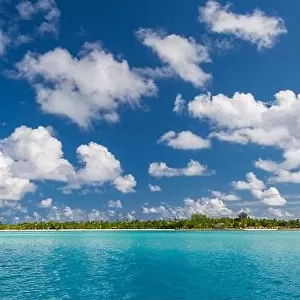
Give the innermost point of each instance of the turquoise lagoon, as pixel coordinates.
(150, 265)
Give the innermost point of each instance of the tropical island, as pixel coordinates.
(197, 222)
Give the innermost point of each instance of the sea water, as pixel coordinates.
(150, 265)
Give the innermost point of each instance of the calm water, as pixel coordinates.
(150, 265)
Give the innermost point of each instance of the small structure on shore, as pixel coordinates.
(219, 226)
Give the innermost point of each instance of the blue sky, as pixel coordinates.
(90, 125)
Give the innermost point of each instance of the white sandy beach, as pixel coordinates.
(79, 230)
(261, 229)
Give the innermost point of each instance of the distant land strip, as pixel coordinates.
(197, 222)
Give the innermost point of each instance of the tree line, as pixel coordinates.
(197, 221)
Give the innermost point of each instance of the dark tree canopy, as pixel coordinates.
(243, 215)
(197, 221)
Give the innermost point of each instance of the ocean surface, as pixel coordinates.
(150, 265)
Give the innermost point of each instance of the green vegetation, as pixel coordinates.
(195, 222)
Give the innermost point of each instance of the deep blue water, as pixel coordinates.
(150, 265)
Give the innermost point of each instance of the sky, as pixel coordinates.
(149, 110)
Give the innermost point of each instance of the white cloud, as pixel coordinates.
(255, 27)
(154, 188)
(46, 203)
(21, 39)
(270, 197)
(182, 54)
(225, 197)
(222, 45)
(240, 111)
(15, 213)
(279, 213)
(210, 207)
(47, 8)
(243, 119)
(85, 88)
(115, 204)
(100, 166)
(13, 206)
(271, 137)
(156, 210)
(22, 23)
(193, 168)
(36, 154)
(291, 161)
(284, 176)
(179, 104)
(26, 9)
(155, 73)
(66, 213)
(185, 140)
(125, 184)
(4, 42)
(130, 216)
(12, 187)
(30, 154)
(253, 184)
(284, 171)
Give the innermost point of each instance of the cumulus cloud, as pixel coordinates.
(283, 171)
(15, 213)
(185, 140)
(225, 197)
(130, 216)
(12, 187)
(46, 203)
(253, 184)
(179, 105)
(181, 54)
(154, 188)
(193, 168)
(270, 197)
(91, 86)
(30, 154)
(100, 166)
(279, 213)
(13, 206)
(125, 184)
(210, 207)
(35, 154)
(47, 8)
(115, 204)
(256, 27)
(66, 213)
(240, 111)
(243, 119)
(161, 209)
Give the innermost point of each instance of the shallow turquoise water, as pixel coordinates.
(150, 265)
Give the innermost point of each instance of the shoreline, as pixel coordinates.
(145, 230)
(79, 230)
